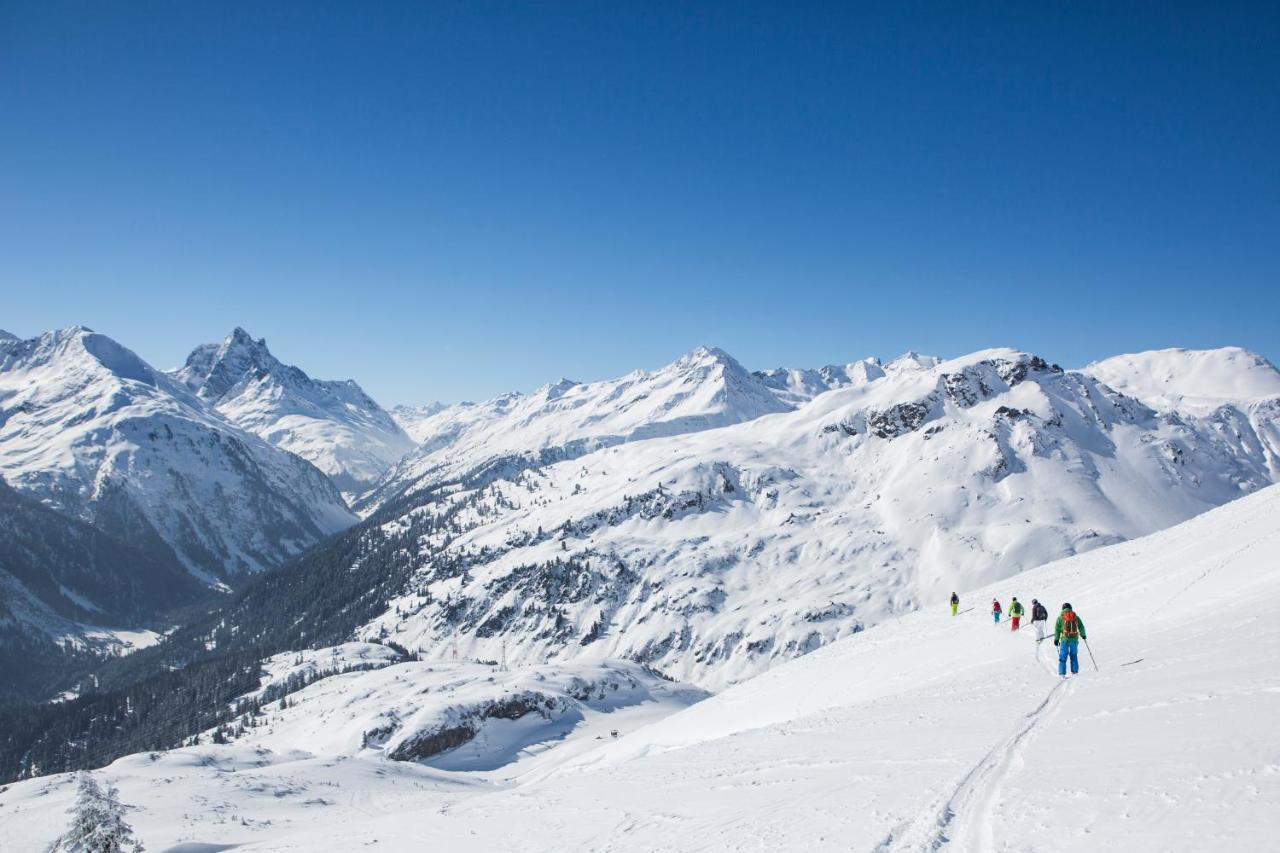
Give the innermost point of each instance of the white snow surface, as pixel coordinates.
(703, 389)
(718, 554)
(94, 431)
(334, 425)
(1191, 380)
(395, 710)
(929, 732)
(415, 420)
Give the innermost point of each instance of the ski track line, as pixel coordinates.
(964, 820)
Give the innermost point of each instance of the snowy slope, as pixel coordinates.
(1230, 391)
(455, 715)
(415, 420)
(715, 555)
(333, 425)
(1191, 380)
(926, 733)
(703, 389)
(93, 431)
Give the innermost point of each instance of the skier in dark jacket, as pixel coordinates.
(995, 609)
(1039, 618)
(1067, 634)
(955, 603)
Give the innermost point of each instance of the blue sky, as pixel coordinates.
(449, 200)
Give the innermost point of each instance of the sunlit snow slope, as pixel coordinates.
(929, 732)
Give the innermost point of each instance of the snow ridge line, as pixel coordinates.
(965, 817)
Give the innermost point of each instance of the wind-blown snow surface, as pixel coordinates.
(715, 555)
(704, 389)
(930, 732)
(91, 429)
(333, 425)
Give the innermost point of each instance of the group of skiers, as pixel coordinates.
(1068, 631)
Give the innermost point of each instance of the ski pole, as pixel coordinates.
(1090, 651)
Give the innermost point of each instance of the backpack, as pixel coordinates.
(1070, 625)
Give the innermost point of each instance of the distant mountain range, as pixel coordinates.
(701, 518)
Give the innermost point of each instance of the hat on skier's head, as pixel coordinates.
(1066, 606)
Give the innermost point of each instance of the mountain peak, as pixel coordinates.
(912, 360)
(706, 356)
(240, 337)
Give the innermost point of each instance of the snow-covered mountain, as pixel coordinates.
(414, 420)
(717, 554)
(701, 390)
(930, 732)
(1230, 391)
(799, 385)
(334, 425)
(96, 433)
(1197, 381)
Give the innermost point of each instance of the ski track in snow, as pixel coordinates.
(964, 820)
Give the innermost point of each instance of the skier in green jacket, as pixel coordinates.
(1068, 631)
(1015, 613)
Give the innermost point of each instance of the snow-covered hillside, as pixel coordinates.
(333, 425)
(1231, 391)
(703, 389)
(96, 433)
(449, 714)
(1191, 380)
(929, 732)
(415, 420)
(715, 555)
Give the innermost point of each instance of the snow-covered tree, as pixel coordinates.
(97, 821)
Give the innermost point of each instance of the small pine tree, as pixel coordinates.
(97, 822)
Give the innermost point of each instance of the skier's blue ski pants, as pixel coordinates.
(1068, 648)
(995, 614)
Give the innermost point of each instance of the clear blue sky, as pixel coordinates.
(448, 200)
